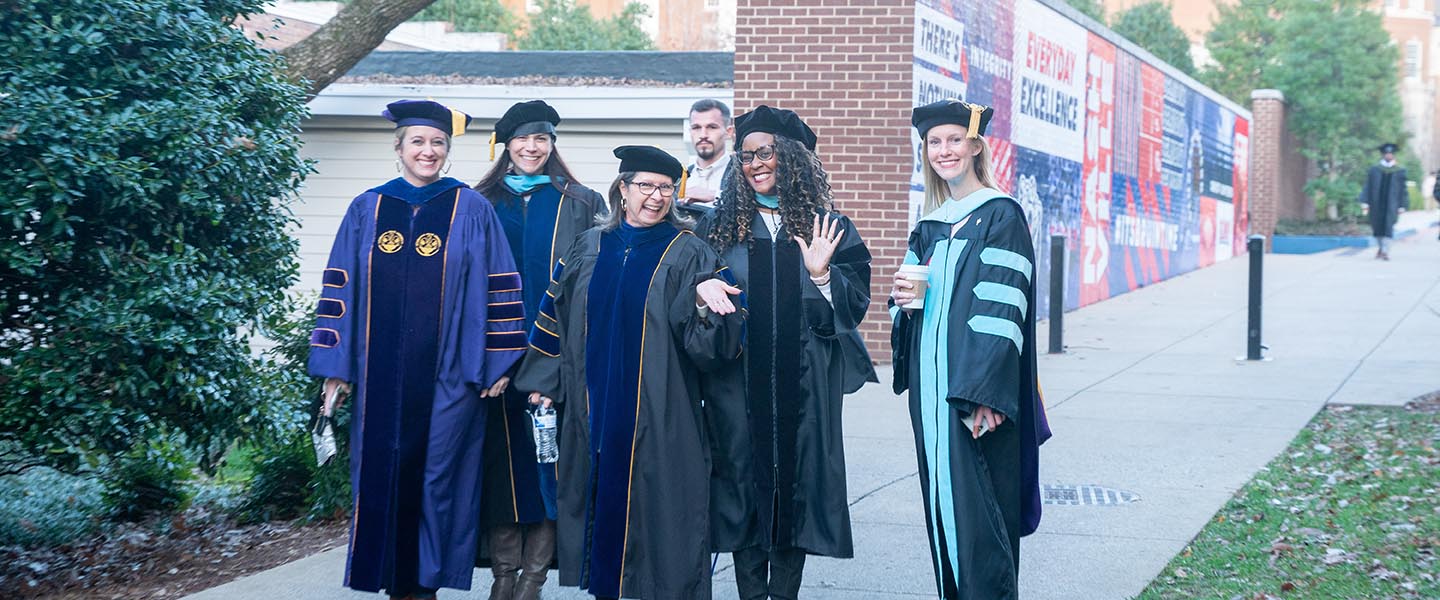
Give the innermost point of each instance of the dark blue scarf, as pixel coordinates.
(399, 188)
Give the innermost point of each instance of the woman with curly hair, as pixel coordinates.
(542, 209)
(964, 346)
(806, 274)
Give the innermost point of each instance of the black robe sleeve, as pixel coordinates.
(986, 345)
(709, 340)
(840, 317)
(540, 370)
(902, 322)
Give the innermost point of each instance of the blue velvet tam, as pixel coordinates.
(405, 113)
(525, 118)
(1388, 148)
(774, 121)
(975, 118)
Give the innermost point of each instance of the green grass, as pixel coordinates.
(1350, 510)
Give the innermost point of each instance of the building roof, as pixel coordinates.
(486, 102)
(548, 68)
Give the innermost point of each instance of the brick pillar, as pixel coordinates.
(1268, 134)
(844, 66)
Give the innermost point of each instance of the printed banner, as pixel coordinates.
(1242, 184)
(1050, 185)
(1099, 154)
(1048, 110)
(1146, 177)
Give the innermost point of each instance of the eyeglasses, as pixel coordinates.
(762, 153)
(666, 190)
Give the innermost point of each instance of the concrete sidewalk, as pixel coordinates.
(1149, 402)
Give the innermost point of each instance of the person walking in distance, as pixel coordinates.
(1384, 195)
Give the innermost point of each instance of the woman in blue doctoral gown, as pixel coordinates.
(968, 359)
(417, 313)
(542, 208)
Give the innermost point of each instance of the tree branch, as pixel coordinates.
(359, 28)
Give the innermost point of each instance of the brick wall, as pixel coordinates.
(1277, 170)
(844, 66)
(1267, 108)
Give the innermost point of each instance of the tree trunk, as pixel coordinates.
(360, 27)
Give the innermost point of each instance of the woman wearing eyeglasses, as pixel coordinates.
(806, 274)
(637, 310)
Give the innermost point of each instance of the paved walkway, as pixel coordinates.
(1149, 400)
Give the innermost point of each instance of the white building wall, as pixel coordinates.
(353, 146)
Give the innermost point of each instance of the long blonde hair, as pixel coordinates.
(937, 190)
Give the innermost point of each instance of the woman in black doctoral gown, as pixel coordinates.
(637, 310)
(806, 274)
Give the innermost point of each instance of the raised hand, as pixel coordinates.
(825, 238)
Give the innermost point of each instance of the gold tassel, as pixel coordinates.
(492, 146)
(680, 193)
(975, 111)
(457, 123)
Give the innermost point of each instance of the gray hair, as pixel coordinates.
(611, 218)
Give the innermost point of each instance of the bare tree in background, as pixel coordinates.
(359, 27)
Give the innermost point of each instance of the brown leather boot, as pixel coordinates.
(506, 542)
(539, 551)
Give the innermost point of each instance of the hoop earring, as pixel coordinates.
(447, 168)
(397, 165)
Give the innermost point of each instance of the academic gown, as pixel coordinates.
(974, 344)
(802, 354)
(1385, 192)
(619, 346)
(539, 231)
(417, 311)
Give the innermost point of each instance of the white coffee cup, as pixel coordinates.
(919, 276)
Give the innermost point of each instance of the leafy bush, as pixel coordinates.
(1332, 59)
(471, 15)
(1344, 226)
(44, 507)
(278, 487)
(1152, 26)
(148, 480)
(148, 152)
(564, 25)
(285, 482)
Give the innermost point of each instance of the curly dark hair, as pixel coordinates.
(801, 183)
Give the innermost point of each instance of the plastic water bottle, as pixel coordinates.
(547, 450)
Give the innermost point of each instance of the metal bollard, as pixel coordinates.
(1256, 247)
(1057, 294)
